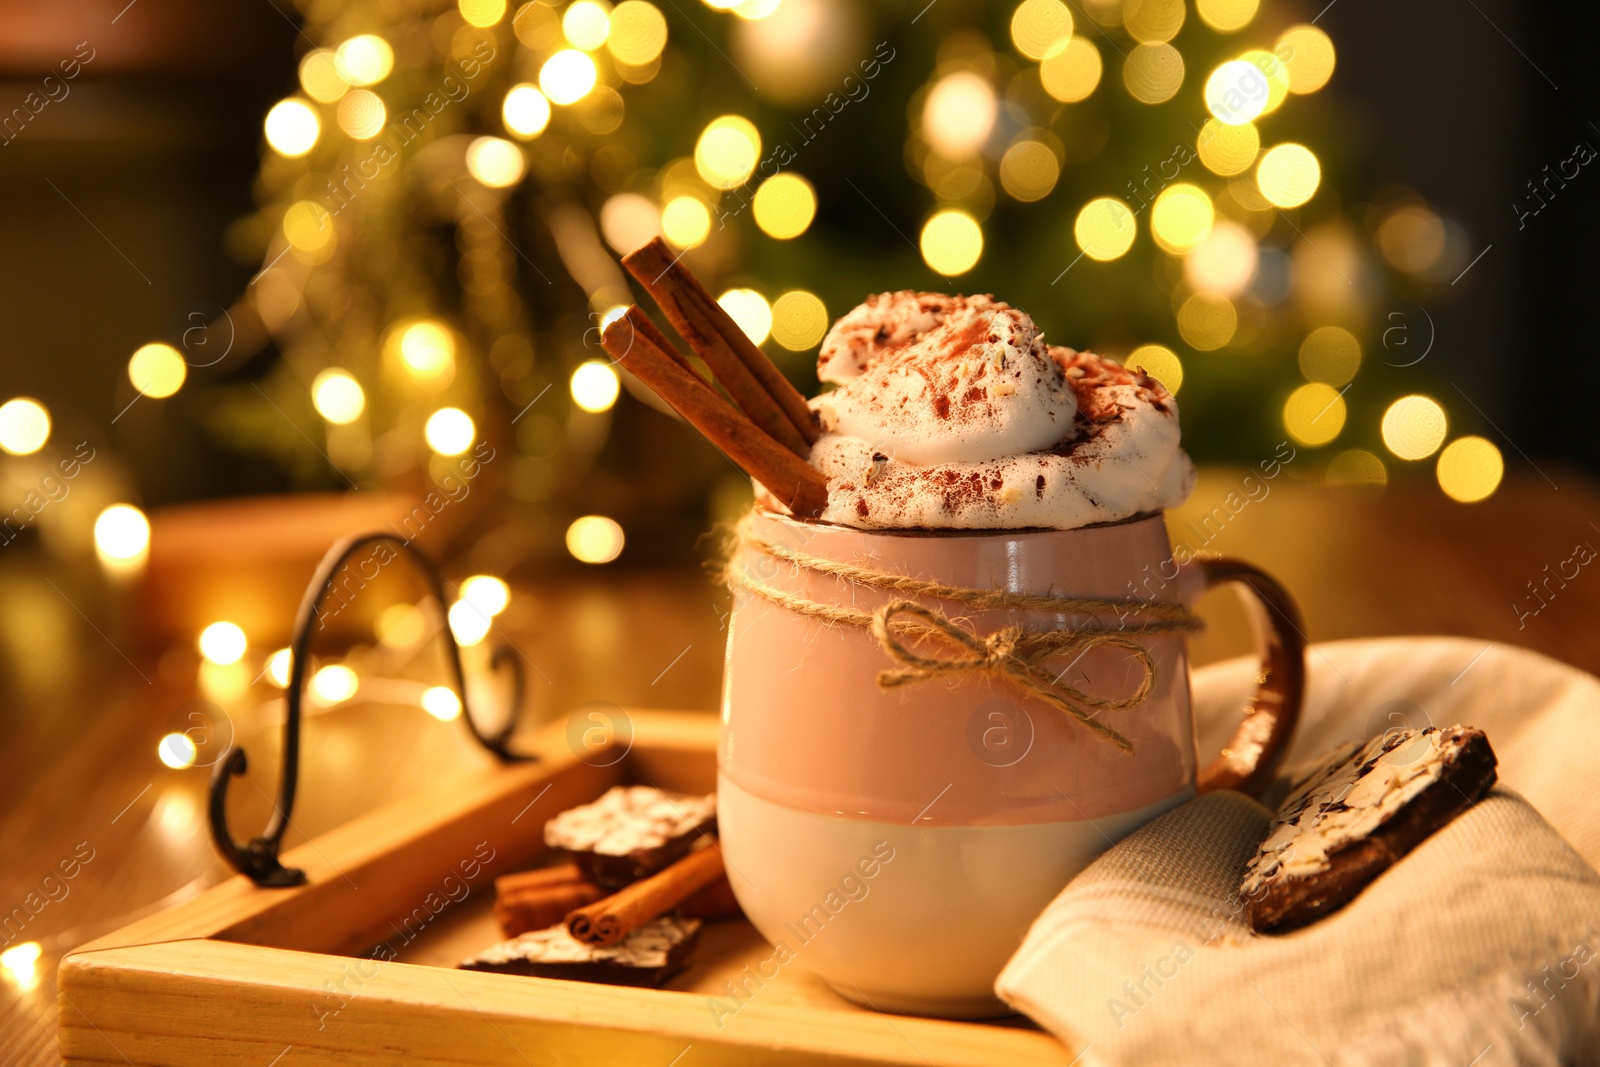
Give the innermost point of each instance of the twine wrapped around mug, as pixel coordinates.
(1013, 653)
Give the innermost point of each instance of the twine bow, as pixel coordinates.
(1014, 654)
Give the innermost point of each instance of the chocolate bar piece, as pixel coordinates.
(647, 957)
(631, 832)
(1356, 815)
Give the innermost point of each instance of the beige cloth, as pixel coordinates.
(1480, 948)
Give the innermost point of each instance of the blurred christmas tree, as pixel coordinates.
(1147, 179)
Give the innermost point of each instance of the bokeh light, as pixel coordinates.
(1225, 16)
(292, 128)
(1181, 217)
(487, 593)
(468, 624)
(567, 76)
(595, 386)
(1331, 355)
(1314, 413)
(1276, 74)
(959, 114)
(337, 396)
(1029, 170)
(1207, 321)
(1228, 149)
(279, 667)
(122, 536)
(1072, 73)
(223, 642)
(1470, 469)
(308, 227)
(176, 751)
(785, 205)
(1225, 262)
(1104, 229)
(1041, 28)
(586, 24)
(1411, 238)
(952, 242)
(21, 964)
(1414, 426)
(526, 111)
(1309, 56)
(1288, 175)
(799, 320)
(1237, 92)
(1356, 468)
(427, 349)
(495, 162)
(361, 114)
(482, 13)
(441, 702)
(401, 625)
(750, 312)
(366, 59)
(727, 151)
(685, 221)
(1153, 21)
(1161, 363)
(334, 683)
(629, 220)
(1153, 73)
(638, 33)
(595, 539)
(157, 370)
(320, 77)
(24, 426)
(449, 431)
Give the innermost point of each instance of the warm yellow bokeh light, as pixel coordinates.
(1153, 73)
(952, 242)
(685, 221)
(586, 24)
(362, 114)
(526, 111)
(401, 625)
(482, 12)
(1072, 73)
(1288, 175)
(1041, 28)
(487, 593)
(959, 114)
(122, 536)
(1309, 55)
(1153, 21)
(1356, 468)
(595, 386)
(1225, 262)
(1161, 363)
(1029, 170)
(1411, 238)
(1181, 217)
(1414, 426)
(292, 128)
(495, 161)
(755, 10)
(1228, 149)
(469, 625)
(308, 226)
(1331, 355)
(20, 963)
(595, 539)
(337, 396)
(157, 370)
(567, 76)
(1314, 413)
(442, 703)
(1470, 468)
(24, 426)
(1225, 16)
(785, 205)
(366, 59)
(1237, 92)
(334, 683)
(320, 76)
(176, 751)
(799, 319)
(1277, 74)
(449, 431)
(727, 151)
(427, 349)
(750, 312)
(629, 220)
(1105, 228)
(638, 33)
(1207, 321)
(223, 642)
(279, 665)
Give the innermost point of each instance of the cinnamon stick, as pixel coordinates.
(540, 878)
(737, 362)
(608, 921)
(791, 479)
(542, 907)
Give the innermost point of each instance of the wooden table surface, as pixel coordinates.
(79, 771)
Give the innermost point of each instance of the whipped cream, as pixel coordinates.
(951, 412)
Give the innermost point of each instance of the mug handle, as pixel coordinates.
(1248, 762)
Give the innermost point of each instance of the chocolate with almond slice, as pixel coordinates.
(631, 832)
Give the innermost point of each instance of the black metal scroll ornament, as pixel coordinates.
(259, 858)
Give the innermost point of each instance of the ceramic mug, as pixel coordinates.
(898, 842)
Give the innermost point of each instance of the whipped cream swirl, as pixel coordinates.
(951, 412)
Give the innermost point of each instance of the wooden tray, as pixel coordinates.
(276, 977)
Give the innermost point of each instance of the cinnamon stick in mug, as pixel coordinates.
(738, 364)
(608, 921)
(788, 477)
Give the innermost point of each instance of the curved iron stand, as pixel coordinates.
(259, 859)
